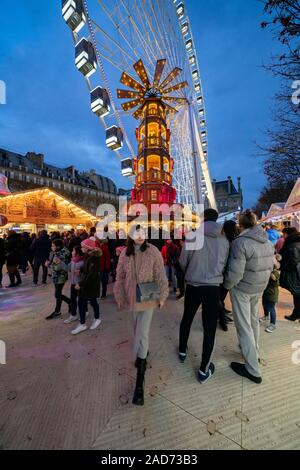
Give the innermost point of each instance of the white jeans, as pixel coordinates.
(246, 319)
(141, 325)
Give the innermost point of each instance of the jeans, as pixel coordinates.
(74, 300)
(60, 297)
(208, 296)
(104, 282)
(269, 308)
(36, 267)
(170, 273)
(83, 304)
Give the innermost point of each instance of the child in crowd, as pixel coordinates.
(89, 285)
(75, 266)
(59, 260)
(270, 296)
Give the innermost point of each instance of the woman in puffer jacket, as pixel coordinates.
(249, 268)
(290, 269)
(140, 263)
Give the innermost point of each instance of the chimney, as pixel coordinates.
(239, 184)
(229, 185)
(37, 159)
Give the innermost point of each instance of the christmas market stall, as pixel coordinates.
(286, 214)
(42, 208)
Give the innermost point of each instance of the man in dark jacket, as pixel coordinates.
(290, 269)
(13, 258)
(41, 248)
(203, 268)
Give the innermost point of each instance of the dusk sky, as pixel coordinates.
(48, 108)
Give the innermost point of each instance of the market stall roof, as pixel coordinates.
(279, 210)
(43, 205)
(294, 197)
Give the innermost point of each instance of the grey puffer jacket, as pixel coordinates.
(205, 266)
(250, 262)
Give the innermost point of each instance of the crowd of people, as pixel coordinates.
(245, 259)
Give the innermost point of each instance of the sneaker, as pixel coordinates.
(205, 376)
(271, 328)
(179, 296)
(263, 319)
(241, 370)
(228, 319)
(182, 357)
(79, 329)
(34, 284)
(71, 318)
(11, 285)
(53, 315)
(95, 324)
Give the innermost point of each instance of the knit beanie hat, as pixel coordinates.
(89, 243)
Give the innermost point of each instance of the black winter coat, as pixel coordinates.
(2, 251)
(13, 250)
(90, 280)
(290, 264)
(41, 248)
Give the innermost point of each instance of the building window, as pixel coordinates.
(153, 195)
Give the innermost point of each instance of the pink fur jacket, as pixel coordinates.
(149, 268)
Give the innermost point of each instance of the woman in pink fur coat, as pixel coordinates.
(140, 262)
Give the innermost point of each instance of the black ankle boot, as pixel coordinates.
(138, 397)
(137, 360)
(292, 317)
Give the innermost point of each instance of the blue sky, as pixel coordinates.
(47, 108)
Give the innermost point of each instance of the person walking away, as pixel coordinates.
(89, 285)
(140, 268)
(58, 263)
(203, 270)
(75, 266)
(2, 259)
(25, 250)
(104, 266)
(273, 234)
(13, 258)
(167, 252)
(231, 231)
(249, 268)
(270, 296)
(178, 271)
(290, 269)
(40, 248)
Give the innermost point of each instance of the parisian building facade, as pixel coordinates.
(229, 198)
(87, 189)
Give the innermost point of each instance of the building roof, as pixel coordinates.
(99, 182)
(222, 187)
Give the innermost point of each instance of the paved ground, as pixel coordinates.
(64, 392)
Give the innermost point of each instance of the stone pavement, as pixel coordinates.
(64, 392)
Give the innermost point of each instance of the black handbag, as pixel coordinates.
(146, 291)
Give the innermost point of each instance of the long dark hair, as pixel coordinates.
(230, 230)
(130, 244)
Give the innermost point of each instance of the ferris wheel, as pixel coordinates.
(110, 37)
